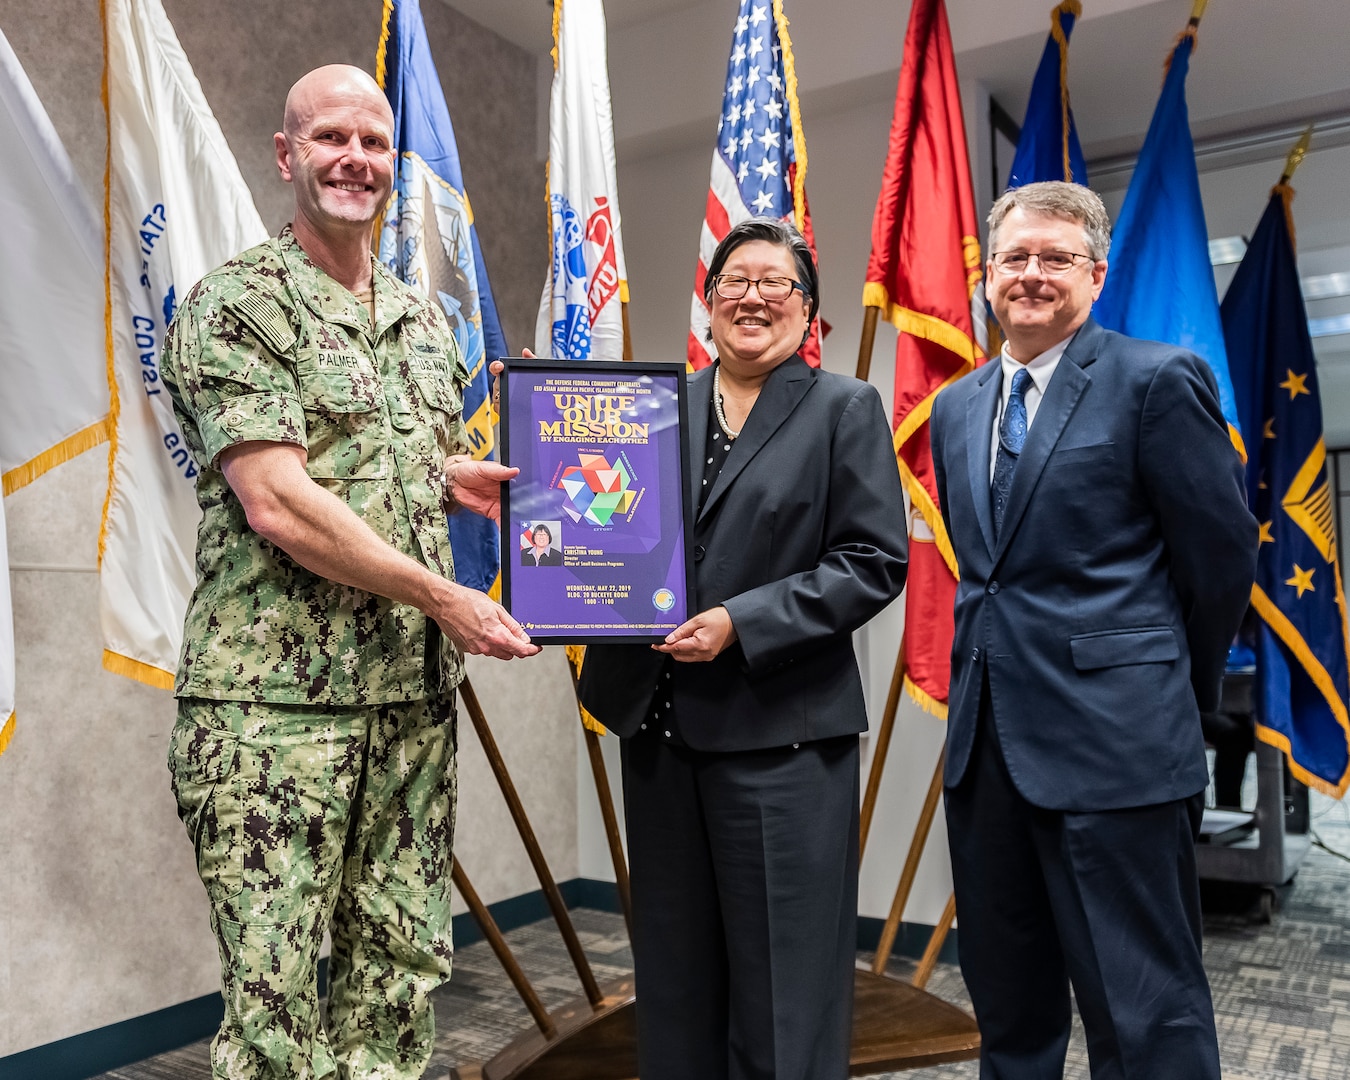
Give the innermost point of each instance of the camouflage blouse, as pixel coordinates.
(269, 347)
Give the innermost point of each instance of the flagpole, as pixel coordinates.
(492, 932)
(935, 943)
(882, 748)
(884, 731)
(594, 751)
(911, 869)
(869, 336)
(549, 886)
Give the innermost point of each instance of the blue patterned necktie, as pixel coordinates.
(1012, 436)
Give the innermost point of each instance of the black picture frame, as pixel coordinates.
(603, 452)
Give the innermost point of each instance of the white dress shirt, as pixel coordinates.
(1040, 369)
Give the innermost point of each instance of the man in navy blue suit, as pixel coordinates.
(1095, 503)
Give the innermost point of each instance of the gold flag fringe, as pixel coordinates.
(73, 446)
(134, 669)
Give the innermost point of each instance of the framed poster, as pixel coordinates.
(595, 529)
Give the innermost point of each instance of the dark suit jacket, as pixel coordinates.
(1102, 615)
(802, 539)
(551, 557)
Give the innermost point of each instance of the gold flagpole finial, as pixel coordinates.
(1296, 155)
(1198, 11)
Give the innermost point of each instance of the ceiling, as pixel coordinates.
(1260, 72)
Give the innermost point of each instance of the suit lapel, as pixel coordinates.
(699, 405)
(981, 408)
(1057, 406)
(781, 393)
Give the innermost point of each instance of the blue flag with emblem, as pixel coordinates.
(1303, 667)
(1048, 148)
(1160, 285)
(429, 241)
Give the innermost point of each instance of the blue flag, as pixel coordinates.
(1160, 285)
(1048, 148)
(429, 241)
(1302, 666)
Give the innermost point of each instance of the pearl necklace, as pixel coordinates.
(717, 404)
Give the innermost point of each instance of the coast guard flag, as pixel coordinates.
(55, 399)
(1302, 664)
(580, 315)
(429, 241)
(924, 274)
(759, 166)
(1160, 285)
(177, 207)
(1048, 148)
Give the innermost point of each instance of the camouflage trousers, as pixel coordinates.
(306, 820)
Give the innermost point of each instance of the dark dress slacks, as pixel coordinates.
(744, 869)
(1108, 900)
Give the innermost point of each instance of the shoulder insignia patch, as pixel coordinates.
(265, 316)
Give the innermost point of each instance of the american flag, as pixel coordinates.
(759, 166)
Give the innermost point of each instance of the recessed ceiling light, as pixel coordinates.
(1226, 250)
(1326, 286)
(1331, 326)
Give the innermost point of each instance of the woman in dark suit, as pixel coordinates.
(740, 752)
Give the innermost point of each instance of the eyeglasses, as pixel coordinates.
(771, 289)
(1053, 263)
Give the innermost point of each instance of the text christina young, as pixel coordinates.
(600, 417)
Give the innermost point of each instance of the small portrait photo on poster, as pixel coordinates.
(541, 543)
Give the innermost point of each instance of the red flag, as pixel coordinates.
(759, 166)
(924, 274)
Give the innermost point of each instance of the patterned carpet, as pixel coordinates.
(1281, 991)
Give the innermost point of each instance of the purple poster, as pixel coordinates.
(593, 528)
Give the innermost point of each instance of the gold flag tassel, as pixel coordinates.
(1074, 8)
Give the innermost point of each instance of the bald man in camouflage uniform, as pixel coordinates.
(313, 757)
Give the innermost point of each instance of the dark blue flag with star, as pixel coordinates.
(428, 240)
(1303, 668)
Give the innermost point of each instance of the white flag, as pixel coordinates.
(179, 208)
(53, 391)
(580, 315)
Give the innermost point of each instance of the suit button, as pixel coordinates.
(974, 655)
(698, 553)
(992, 588)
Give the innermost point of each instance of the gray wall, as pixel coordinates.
(101, 915)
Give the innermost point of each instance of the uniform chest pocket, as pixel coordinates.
(438, 392)
(346, 425)
(437, 378)
(437, 371)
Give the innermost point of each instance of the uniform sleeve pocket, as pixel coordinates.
(1116, 648)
